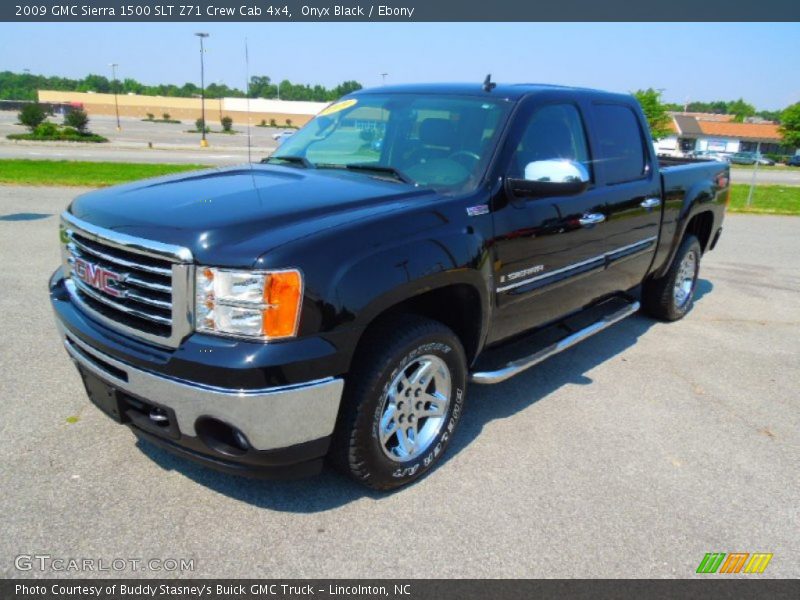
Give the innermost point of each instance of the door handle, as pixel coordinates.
(650, 203)
(589, 219)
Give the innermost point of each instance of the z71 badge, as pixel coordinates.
(480, 209)
(524, 273)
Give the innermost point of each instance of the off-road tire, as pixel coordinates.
(660, 297)
(357, 448)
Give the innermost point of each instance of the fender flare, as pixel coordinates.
(693, 204)
(373, 283)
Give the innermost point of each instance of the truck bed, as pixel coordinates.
(665, 162)
(686, 172)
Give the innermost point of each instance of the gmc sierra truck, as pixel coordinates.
(335, 300)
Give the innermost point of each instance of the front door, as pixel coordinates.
(549, 251)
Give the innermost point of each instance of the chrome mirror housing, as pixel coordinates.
(545, 178)
(556, 171)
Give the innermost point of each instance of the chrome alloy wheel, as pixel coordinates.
(414, 408)
(685, 280)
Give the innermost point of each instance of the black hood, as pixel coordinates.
(231, 216)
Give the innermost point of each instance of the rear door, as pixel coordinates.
(631, 190)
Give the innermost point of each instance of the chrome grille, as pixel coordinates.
(133, 285)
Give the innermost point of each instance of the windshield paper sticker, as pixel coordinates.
(334, 108)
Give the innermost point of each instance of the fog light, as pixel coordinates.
(221, 437)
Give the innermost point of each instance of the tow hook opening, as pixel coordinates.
(221, 437)
(159, 417)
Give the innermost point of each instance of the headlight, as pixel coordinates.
(257, 304)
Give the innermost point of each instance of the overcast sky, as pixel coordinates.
(704, 61)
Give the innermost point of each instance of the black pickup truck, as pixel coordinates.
(335, 300)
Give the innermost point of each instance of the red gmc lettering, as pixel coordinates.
(96, 276)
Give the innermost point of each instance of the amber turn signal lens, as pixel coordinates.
(283, 293)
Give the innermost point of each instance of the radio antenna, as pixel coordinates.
(247, 93)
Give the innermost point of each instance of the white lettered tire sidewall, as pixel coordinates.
(356, 448)
(406, 471)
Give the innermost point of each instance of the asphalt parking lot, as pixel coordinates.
(170, 142)
(631, 455)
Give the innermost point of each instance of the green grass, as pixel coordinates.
(86, 174)
(85, 138)
(761, 167)
(161, 120)
(767, 199)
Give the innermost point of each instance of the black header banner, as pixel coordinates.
(173, 11)
(379, 589)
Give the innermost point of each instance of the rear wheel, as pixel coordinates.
(403, 400)
(670, 297)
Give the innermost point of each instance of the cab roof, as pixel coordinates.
(510, 91)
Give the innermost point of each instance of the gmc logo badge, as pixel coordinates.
(97, 277)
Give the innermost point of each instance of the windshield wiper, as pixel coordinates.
(396, 173)
(297, 160)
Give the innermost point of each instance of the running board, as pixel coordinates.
(520, 365)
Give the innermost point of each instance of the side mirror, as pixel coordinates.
(550, 178)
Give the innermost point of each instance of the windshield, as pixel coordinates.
(438, 141)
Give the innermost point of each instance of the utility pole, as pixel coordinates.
(220, 83)
(203, 140)
(114, 83)
(755, 172)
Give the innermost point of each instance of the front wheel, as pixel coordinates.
(670, 297)
(403, 400)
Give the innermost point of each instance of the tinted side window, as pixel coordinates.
(554, 132)
(620, 139)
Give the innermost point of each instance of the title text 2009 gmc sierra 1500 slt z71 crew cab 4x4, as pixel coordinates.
(335, 300)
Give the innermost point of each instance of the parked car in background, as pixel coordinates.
(669, 147)
(794, 161)
(281, 136)
(709, 155)
(751, 158)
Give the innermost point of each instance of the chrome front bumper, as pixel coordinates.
(270, 418)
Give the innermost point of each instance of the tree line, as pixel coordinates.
(738, 108)
(23, 86)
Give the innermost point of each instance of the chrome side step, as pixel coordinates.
(517, 366)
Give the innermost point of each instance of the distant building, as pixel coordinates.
(696, 132)
(132, 105)
(706, 116)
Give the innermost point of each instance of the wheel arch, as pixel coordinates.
(458, 305)
(700, 225)
(696, 217)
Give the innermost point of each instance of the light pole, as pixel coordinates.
(203, 141)
(114, 83)
(220, 84)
